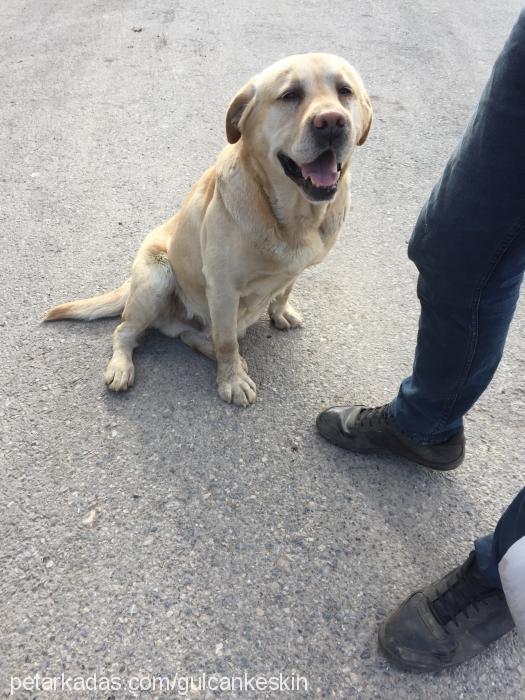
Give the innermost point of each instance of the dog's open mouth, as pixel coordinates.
(318, 178)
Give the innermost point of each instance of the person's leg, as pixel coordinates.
(456, 617)
(469, 247)
(491, 549)
(500, 557)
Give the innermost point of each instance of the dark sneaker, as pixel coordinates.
(369, 430)
(446, 623)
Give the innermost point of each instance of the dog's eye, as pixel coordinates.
(291, 96)
(345, 90)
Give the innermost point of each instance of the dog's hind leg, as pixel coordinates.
(152, 284)
(282, 313)
(197, 340)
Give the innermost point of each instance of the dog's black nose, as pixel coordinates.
(330, 128)
(330, 120)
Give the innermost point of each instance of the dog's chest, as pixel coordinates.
(300, 250)
(293, 261)
(280, 263)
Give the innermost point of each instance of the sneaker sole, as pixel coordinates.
(405, 666)
(448, 466)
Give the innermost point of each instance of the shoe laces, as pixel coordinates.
(373, 417)
(470, 589)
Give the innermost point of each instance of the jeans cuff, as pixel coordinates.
(485, 560)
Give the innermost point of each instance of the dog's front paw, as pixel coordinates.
(239, 389)
(119, 374)
(287, 318)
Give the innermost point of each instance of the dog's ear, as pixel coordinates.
(238, 110)
(366, 116)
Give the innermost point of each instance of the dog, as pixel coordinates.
(271, 205)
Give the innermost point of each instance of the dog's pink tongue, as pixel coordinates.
(322, 171)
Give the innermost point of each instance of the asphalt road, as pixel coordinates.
(162, 531)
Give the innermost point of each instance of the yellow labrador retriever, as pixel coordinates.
(271, 206)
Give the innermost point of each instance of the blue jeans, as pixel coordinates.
(490, 550)
(469, 248)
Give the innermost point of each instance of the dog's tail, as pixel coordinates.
(101, 306)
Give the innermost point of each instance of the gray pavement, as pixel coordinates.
(162, 531)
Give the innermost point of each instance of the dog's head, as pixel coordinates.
(302, 117)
